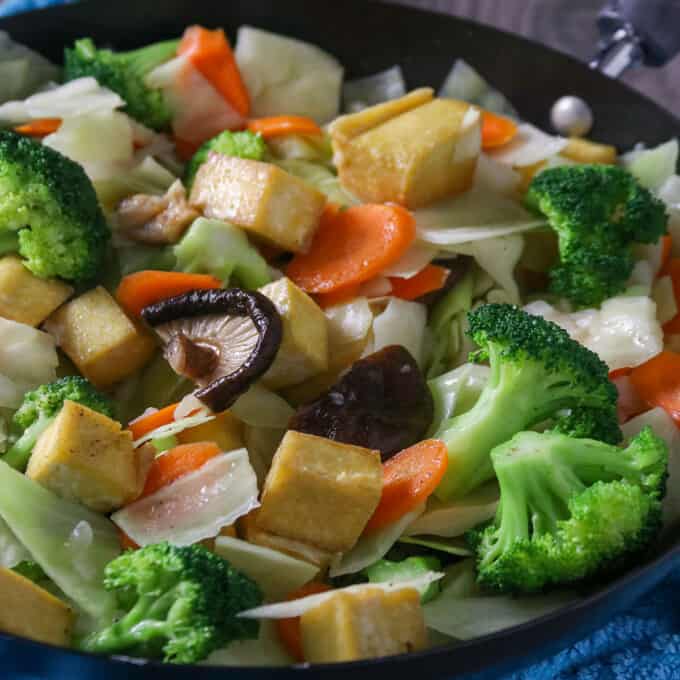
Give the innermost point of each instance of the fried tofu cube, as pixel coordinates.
(226, 430)
(260, 198)
(413, 150)
(585, 151)
(25, 297)
(364, 625)
(320, 491)
(87, 457)
(31, 612)
(301, 551)
(304, 347)
(100, 339)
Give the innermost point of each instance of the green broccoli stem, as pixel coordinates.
(19, 453)
(9, 242)
(145, 59)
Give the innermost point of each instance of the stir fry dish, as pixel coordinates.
(302, 368)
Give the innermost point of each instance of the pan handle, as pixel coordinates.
(637, 33)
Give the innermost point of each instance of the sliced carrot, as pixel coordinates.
(176, 463)
(619, 373)
(277, 126)
(185, 149)
(428, 279)
(496, 130)
(409, 478)
(150, 422)
(211, 53)
(289, 630)
(140, 289)
(657, 382)
(337, 297)
(352, 246)
(672, 269)
(666, 250)
(40, 127)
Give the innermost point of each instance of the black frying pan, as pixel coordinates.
(368, 37)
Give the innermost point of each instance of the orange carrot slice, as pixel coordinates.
(277, 126)
(672, 269)
(657, 382)
(352, 246)
(410, 477)
(428, 279)
(496, 130)
(211, 53)
(40, 127)
(289, 630)
(140, 289)
(176, 463)
(150, 422)
(666, 250)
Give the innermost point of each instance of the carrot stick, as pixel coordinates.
(409, 478)
(657, 382)
(496, 130)
(428, 279)
(210, 52)
(149, 423)
(176, 463)
(276, 126)
(140, 289)
(672, 269)
(40, 127)
(289, 630)
(352, 246)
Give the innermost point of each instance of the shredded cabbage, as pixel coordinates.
(174, 428)
(276, 573)
(530, 146)
(315, 149)
(653, 167)
(374, 546)
(321, 178)
(348, 327)
(380, 87)
(495, 178)
(267, 650)
(260, 407)
(450, 546)
(624, 332)
(664, 298)
(12, 550)
(401, 323)
(196, 506)
(416, 258)
(22, 71)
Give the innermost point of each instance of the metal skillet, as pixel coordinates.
(368, 37)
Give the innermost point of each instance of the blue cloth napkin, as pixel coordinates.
(641, 644)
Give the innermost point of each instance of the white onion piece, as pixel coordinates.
(196, 506)
(530, 146)
(417, 257)
(295, 608)
(401, 323)
(664, 297)
(374, 89)
(653, 167)
(495, 177)
(348, 323)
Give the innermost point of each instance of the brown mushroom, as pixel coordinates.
(223, 340)
(382, 403)
(156, 220)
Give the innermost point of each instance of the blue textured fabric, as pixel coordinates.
(642, 644)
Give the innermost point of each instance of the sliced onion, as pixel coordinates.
(380, 87)
(378, 287)
(295, 608)
(401, 323)
(417, 257)
(530, 146)
(174, 428)
(495, 177)
(196, 506)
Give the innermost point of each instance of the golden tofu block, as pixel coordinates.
(320, 491)
(226, 430)
(364, 625)
(413, 150)
(27, 298)
(302, 551)
(260, 198)
(304, 347)
(87, 457)
(584, 151)
(31, 612)
(100, 339)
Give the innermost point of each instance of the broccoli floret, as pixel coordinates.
(124, 73)
(405, 570)
(244, 144)
(571, 509)
(598, 213)
(586, 423)
(537, 371)
(180, 604)
(41, 406)
(49, 211)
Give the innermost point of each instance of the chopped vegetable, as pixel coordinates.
(658, 382)
(401, 323)
(652, 167)
(430, 278)
(276, 126)
(410, 477)
(352, 246)
(411, 567)
(359, 93)
(496, 130)
(150, 421)
(210, 52)
(529, 147)
(144, 288)
(179, 604)
(41, 127)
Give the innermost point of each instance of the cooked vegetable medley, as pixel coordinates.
(295, 368)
